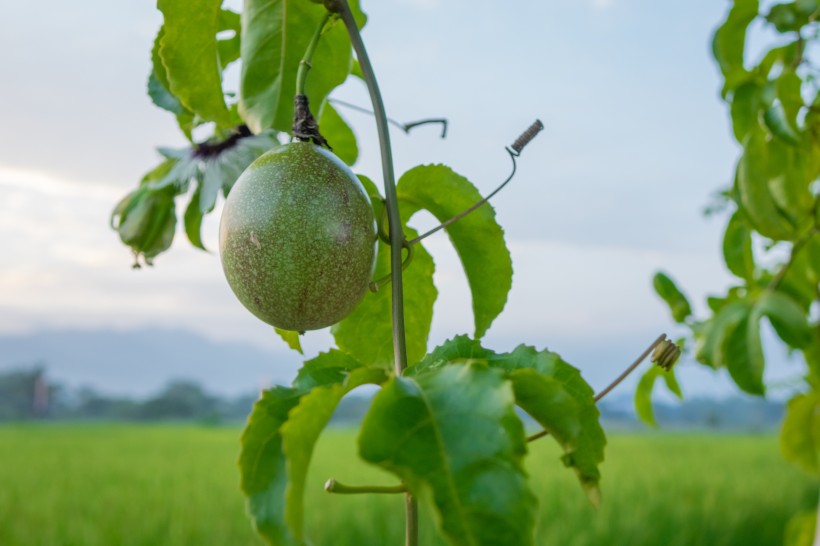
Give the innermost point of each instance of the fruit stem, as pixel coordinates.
(394, 218)
(305, 64)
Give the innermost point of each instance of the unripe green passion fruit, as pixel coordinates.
(298, 238)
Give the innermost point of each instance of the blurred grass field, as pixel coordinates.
(128, 485)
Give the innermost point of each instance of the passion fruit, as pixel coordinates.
(298, 238)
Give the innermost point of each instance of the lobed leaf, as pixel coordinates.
(188, 51)
(558, 381)
(800, 433)
(278, 441)
(326, 369)
(367, 332)
(452, 436)
(477, 237)
(262, 465)
(301, 431)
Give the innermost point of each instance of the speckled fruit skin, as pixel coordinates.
(298, 238)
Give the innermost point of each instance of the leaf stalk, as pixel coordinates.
(333, 486)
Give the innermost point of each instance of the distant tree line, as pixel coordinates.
(28, 394)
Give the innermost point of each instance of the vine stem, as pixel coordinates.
(394, 220)
(615, 383)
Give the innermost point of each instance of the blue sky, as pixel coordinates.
(636, 140)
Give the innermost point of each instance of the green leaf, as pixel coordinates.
(548, 401)
(800, 434)
(790, 93)
(800, 530)
(453, 437)
(262, 465)
(301, 431)
(189, 53)
(146, 218)
(478, 239)
(643, 392)
(291, 338)
(338, 134)
(228, 49)
(367, 332)
(752, 183)
(742, 354)
(193, 221)
(275, 35)
(789, 183)
(787, 317)
(813, 254)
(746, 104)
(811, 353)
(783, 57)
(585, 452)
(460, 349)
(709, 350)
(583, 445)
(158, 85)
(778, 124)
(730, 38)
(787, 17)
(671, 294)
(737, 247)
(326, 369)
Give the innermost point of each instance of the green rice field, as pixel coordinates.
(129, 485)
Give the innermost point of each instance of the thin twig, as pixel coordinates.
(615, 383)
